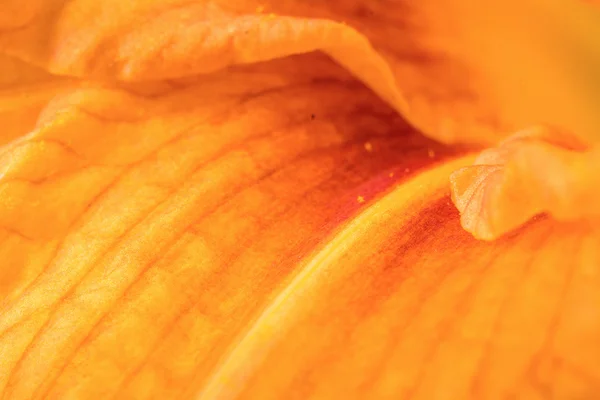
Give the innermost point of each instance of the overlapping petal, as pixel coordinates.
(467, 71)
(535, 171)
(193, 201)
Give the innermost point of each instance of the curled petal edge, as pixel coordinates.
(538, 170)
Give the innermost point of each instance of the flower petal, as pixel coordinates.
(24, 90)
(157, 40)
(403, 304)
(459, 71)
(152, 215)
(535, 171)
(169, 219)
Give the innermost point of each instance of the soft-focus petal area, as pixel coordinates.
(475, 72)
(24, 91)
(164, 39)
(534, 171)
(461, 71)
(402, 303)
(141, 233)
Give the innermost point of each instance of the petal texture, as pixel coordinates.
(194, 200)
(168, 220)
(460, 71)
(403, 304)
(24, 91)
(540, 170)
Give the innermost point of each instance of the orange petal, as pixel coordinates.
(141, 234)
(475, 72)
(156, 40)
(154, 223)
(403, 304)
(460, 71)
(534, 171)
(24, 90)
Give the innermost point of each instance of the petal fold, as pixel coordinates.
(535, 171)
(459, 71)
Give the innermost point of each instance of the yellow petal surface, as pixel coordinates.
(195, 203)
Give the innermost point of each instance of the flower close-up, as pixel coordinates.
(299, 199)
